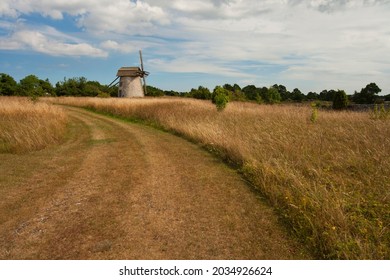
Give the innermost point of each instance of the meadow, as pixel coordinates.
(26, 125)
(327, 177)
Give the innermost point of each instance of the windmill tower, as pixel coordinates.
(130, 84)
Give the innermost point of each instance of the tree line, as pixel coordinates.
(31, 85)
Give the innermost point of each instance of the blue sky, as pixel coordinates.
(312, 45)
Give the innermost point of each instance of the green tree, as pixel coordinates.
(72, 87)
(284, 93)
(312, 95)
(326, 95)
(251, 92)
(236, 88)
(220, 97)
(228, 87)
(47, 87)
(235, 92)
(173, 93)
(340, 100)
(273, 96)
(31, 86)
(297, 95)
(367, 95)
(153, 91)
(8, 85)
(92, 88)
(201, 93)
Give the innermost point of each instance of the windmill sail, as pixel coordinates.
(144, 73)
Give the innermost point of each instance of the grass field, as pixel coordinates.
(328, 180)
(26, 125)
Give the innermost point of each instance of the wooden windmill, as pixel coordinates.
(130, 84)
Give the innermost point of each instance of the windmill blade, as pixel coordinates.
(140, 58)
(143, 72)
(145, 90)
(112, 83)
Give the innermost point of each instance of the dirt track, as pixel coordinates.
(116, 190)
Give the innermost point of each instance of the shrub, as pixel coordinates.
(103, 95)
(273, 96)
(340, 100)
(220, 98)
(380, 113)
(314, 112)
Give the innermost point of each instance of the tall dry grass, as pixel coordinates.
(329, 180)
(26, 125)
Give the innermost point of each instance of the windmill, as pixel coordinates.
(130, 84)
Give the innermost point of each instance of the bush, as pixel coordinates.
(273, 96)
(340, 100)
(220, 98)
(201, 93)
(103, 95)
(380, 112)
(314, 112)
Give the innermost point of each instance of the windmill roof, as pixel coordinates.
(129, 72)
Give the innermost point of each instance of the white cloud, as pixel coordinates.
(120, 47)
(7, 10)
(120, 16)
(188, 65)
(323, 41)
(49, 41)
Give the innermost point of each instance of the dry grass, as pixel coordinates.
(27, 126)
(105, 194)
(329, 180)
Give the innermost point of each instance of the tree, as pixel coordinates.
(284, 93)
(251, 92)
(153, 91)
(236, 88)
(201, 93)
(220, 97)
(235, 92)
(327, 95)
(228, 87)
(312, 95)
(72, 87)
(8, 85)
(92, 88)
(297, 95)
(173, 93)
(46, 87)
(340, 100)
(273, 96)
(367, 95)
(31, 86)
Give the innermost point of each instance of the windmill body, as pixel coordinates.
(130, 84)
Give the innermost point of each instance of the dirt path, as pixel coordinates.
(116, 190)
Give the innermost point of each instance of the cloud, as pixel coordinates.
(49, 41)
(7, 10)
(188, 65)
(324, 41)
(120, 16)
(124, 17)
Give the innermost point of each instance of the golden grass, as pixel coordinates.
(329, 180)
(27, 126)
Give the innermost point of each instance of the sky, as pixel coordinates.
(311, 45)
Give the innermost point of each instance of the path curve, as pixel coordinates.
(117, 190)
